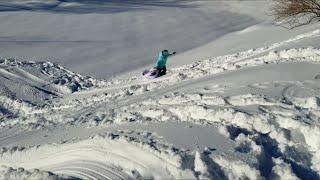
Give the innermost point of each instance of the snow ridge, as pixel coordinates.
(50, 73)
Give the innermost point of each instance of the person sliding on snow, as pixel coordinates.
(162, 61)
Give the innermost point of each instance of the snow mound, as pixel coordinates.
(47, 74)
(27, 86)
(38, 82)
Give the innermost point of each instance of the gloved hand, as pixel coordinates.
(174, 52)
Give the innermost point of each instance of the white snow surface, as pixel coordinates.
(20, 173)
(249, 112)
(108, 38)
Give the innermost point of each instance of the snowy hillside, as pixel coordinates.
(251, 114)
(108, 38)
(240, 100)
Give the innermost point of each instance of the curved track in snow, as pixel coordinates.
(101, 158)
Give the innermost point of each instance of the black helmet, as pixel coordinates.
(165, 52)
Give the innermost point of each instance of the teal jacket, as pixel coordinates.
(162, 60)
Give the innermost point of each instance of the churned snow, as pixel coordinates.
(21, 173)
(280, 112)
(233, 111)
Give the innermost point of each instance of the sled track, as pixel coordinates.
(99, 158)
(85, 169)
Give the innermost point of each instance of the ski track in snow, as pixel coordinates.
(275, 122)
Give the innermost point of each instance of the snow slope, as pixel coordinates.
(108, 38)
(241, 101)
(253, 114)
(90, 36)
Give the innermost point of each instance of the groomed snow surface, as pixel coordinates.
(253, 114)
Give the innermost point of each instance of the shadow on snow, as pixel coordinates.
(90, 6)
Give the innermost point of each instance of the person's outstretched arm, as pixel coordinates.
(173, 53)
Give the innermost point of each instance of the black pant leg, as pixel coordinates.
(164, 70)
